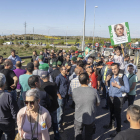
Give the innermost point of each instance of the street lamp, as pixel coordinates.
(84, 27)
(94, 24)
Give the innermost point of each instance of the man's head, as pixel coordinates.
(115, 68)
(13, 53)
(63, 70)
(130, 68)
(119, 30)
(99, 55)
(90, 61)
(45, 77)
(8, 64)
(84, 79)
(80, 57)
(34, 53)
(76, 53)
(78, 71)
(59, 63)
(88, 68)
(68, 57)
(118, 50)
(73, 60)
(36, 64)
(18, 64)
(40, 58)
(80, 63)
(1, 59)
(72, 52)
(132, 60)
(41, 53)
(133, 114)
(51, 55)
(2, 80)
(109, 64)
(52, 51)
(34, 82)
(106, 60)
(30, 67)
(45, 50)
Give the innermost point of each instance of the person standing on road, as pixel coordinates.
(118, 87)
(18, 71)
(86, 99)
(8, 111)
(133, 117)
(11, 78)
(62, 93)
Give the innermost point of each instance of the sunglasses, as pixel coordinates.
(31, 102)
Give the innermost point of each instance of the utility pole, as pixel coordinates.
(33, 34)
(83, 43)
(25, 29)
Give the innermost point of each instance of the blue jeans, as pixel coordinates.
(9, 131)
(131, 99)
(55, 124)
(13, 93)
(60, 111)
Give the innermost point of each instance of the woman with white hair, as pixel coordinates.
(33, 120)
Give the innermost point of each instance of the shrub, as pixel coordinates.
(1, 41)
(73, 48)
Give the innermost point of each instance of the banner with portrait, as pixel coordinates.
(119, 33)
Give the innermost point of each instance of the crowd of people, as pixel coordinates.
(34, 98)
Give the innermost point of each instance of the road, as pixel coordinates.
(101, 119)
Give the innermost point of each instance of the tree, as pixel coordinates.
(1, 41)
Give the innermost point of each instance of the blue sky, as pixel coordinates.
(56, 17)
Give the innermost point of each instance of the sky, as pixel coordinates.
(65, 17)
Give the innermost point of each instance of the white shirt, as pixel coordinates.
(120, 60)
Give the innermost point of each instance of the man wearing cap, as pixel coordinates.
(56, 71)
(52, 59)
(76, 54)
(72, 54)
(62, 93)
(11, 78)
(73, 63)
(8, 111)
(80, 57)
(23, 81)
(43, 66)
(51, 89)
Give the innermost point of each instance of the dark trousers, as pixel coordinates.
(55, 124)
(115, 105)
(9, 131)
(89, 130)
(131, 99)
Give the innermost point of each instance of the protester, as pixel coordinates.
(8, 111)
(52, 59)
(42, 66)
(34, 56)
(56, 71)
(73, 65)
(11, 78)
(18, 71)
(62, 92)
(60, 57)
(72, 54)
(80, 57)
(118, 86)
(76, 54)
(14, 58)
(33, 121)
(23, 81)
(45, 55)
(92, 75)
(126, 59)
(118, 58)
(67, 62)
(86, 99)
(131, 63)
(51, 89)
(133, 117)
(1, 61)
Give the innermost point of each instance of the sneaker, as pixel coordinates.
(114, 134)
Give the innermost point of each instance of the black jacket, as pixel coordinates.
(8, 108)
(55, 73)
(51, 89)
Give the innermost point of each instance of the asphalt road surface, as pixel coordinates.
(101, 119)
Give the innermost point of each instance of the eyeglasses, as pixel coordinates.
(88, 67)
(31, 102)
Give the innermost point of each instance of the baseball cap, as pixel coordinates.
(54, 64)
(59, 63)
(81, 56)
(44, 74)
(41, 57)
(109, 63)
(74, 59)
(2, 78)
(30, 66)
(76, 51)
